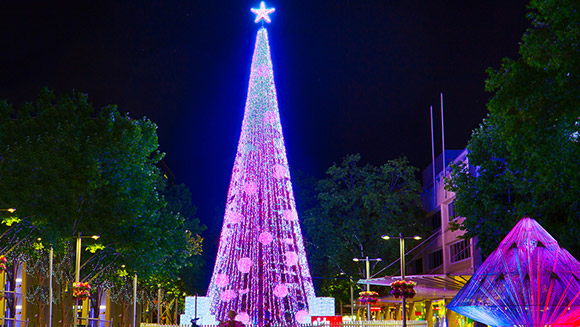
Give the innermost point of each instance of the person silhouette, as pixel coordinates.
(231, 322)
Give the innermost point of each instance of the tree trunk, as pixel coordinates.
(96, 304)
(67, 313)
(124, 314)
(41, 307)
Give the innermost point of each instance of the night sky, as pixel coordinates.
(351, 76)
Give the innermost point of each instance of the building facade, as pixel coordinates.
(448, 253)
(444, 261)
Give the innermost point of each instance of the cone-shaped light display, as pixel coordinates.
(261, 270)
(529, 280)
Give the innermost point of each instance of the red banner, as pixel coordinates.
(327, 320)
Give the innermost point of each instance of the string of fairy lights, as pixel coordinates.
(261, 270)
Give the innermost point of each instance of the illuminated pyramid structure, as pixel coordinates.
(261, 271)
(529, 280)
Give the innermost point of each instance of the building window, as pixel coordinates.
(435, 259)
(436, 220)
(460, 251)
(451, 210)
(418, 266)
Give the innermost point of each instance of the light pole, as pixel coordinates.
(351, 299)
(402, 256)
(78, 270)
(368, 269)
(135, 300)
(11, 210)
(50, 262)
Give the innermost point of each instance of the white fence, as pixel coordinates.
(384, 323)
(95, 322)
(373, 323)
(12, 322)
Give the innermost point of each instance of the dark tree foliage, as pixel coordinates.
(178, 197)
(70, 168)
(525, 156)
(356, 206)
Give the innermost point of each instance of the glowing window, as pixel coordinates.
(436, 259)
(451, 211)
(436, 220)
(460, 251)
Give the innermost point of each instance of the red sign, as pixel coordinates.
(375, 309)
(327, 320)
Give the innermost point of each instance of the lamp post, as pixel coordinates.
(78, 270)
(402, 256)
(11, 210)
(135, 300)
(351, 299)
(368, 273)
(51, 258)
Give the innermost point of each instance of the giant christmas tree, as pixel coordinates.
(261, 270)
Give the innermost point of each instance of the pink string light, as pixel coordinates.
(261, 270)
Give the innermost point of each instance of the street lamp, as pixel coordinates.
(368, 269)
(78, 269)
(11, 210)
(402, 255)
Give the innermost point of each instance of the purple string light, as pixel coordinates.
(261, 270)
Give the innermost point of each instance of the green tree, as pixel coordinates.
(178, 197)
(525, 157)
(357, 205)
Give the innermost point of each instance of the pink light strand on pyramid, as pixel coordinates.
(261, 270)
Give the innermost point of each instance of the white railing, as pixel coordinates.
(12, 322)
(384, 323)
(96, 322)
(373, 323)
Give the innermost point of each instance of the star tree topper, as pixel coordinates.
(263, 13)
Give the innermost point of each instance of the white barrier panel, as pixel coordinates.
(374, 323)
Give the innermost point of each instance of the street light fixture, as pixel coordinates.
(368, 271)
(402, 256)
(78, 269)
(11, 210)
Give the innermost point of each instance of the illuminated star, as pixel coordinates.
(262, 13)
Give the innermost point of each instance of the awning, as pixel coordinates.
(429, 287)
